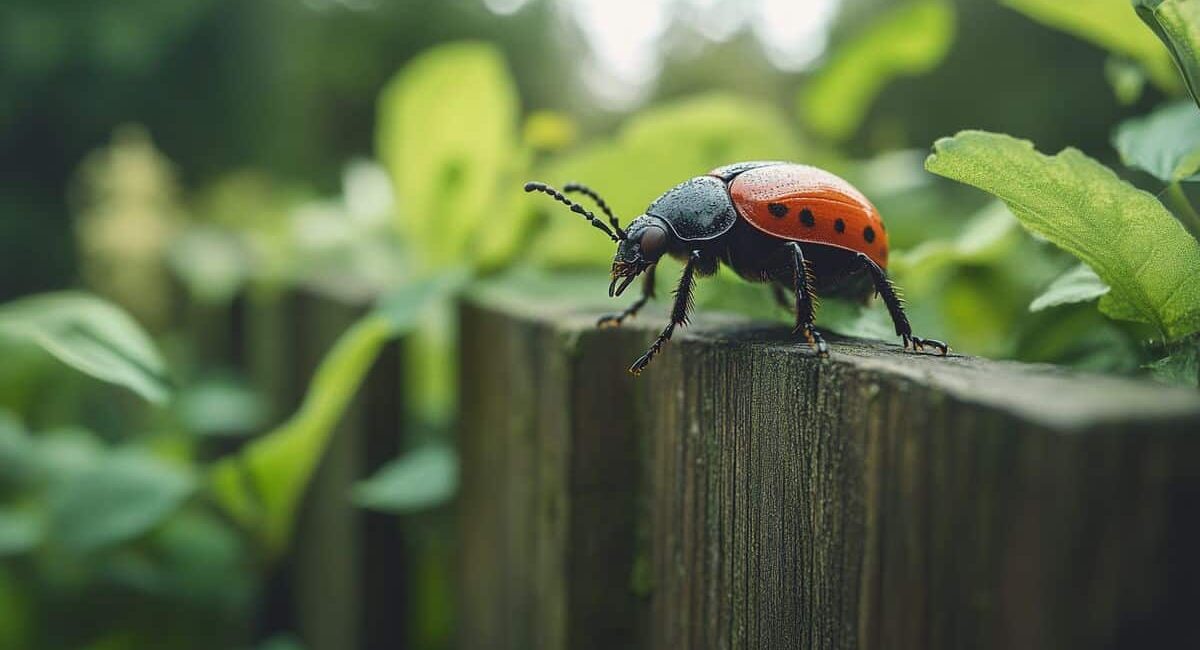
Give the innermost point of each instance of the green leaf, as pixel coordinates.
(202, 562)
(447, 134)
(988, 235)
(849, 318)
(18, 455)
(284, 641)
(1181, 365)
(1165, 143)
(120, 497)
(1124, 234)
(63, 453)
(90, 335)
(907, 40)
(1079, 284)
(1126, 77)
(404, 307)
(210, 262)
(20, 531)
(1108, 24)
(221, 406)
(261, 486)
(653, 152)
(1177, 25)
(419, 480)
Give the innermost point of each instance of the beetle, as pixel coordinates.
(802, 229)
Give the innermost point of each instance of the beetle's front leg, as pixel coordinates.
(679, 312)
(615, 320)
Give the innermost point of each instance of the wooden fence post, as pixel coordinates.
(744, 494)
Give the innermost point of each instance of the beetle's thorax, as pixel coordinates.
(697, 209)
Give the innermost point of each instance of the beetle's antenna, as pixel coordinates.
(590, 193)
(575, 207)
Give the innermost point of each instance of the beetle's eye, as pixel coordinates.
(654, 240)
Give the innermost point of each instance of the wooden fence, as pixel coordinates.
(743, 494)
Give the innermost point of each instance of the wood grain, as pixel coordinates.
(744, 494)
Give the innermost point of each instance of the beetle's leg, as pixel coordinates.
(805, 305)
(895, 306)
(615, 320)
(679, 312)
(593, 195)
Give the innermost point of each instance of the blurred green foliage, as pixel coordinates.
(1107, 24)
(262, 485)
(157, 522)
(90, 335)
(447, 134)
(1079, 284)
(910, 39)
(421, 479)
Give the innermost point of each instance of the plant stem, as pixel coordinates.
(1183, 209)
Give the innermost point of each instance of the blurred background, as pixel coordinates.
(249, 219)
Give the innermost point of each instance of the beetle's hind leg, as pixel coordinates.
(615, 320)
(806, 304)
(895, 306)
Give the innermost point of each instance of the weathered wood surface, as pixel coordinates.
(743, 494)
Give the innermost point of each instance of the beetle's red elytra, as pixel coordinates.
(810, 205)
(804, 230)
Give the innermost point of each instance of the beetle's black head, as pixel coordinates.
(646, 239)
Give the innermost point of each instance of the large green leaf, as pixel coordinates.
(261, 486)
(1078, 284)
(1165, 143)
(90, 335)
(1177, 24)
(1124, 234)
(1108, 24)
(121, 496)
(652, 153)
(910, 39)
(421, 479)
(447, 134)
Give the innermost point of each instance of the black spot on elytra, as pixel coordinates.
(839, 225)
(806, 218)
(869, 234)
(777, 210)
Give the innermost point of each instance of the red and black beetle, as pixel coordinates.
(802, 229)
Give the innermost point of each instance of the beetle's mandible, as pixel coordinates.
(800, 228)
